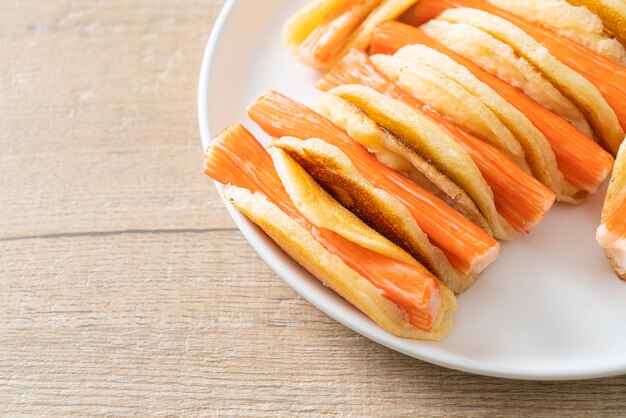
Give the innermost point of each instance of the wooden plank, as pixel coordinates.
(162, 323)
(99, 128)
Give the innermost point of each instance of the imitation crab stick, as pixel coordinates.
(615, 226)
(329, 37)
(466, 246)
(520, 199)
(235, 157)
(607, 76)
(611, 236)
(582, 161)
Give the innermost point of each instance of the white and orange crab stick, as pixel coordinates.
(468, 248)
(236, 157)
(583, 162)
(611, 236)
(329, 37)
(521, 199)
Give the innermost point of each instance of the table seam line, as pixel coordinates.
(61, 235)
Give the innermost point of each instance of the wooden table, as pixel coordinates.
(125, 288)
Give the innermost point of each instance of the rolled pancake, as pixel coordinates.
(572, 85)
(612, 13)
(323, 211)
(451, 99)
(428, 140)
(615, 249)
(300, 26)
(574, 20)
(334, 171)
(396, 154)
(620, 269)
(501, 60)
(332, 271)
(616, 192)
(386, 11)
(411, 62)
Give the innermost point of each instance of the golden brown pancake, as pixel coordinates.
(299, 26)
(568, 82)
(434, 145)
(378, 209)
(612, 13)
(333, 272)
(416, 67)
(398, 155)
(574, 20)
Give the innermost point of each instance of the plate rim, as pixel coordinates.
(253, 236)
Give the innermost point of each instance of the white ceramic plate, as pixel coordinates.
(549, 308)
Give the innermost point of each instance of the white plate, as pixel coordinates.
(549, 308)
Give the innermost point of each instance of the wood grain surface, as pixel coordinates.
(124, 287)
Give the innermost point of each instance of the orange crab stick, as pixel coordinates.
(611, 235)
(520, 199)
(583, 162)
(469, 249)
(607, 76)
(236, 157)
(615, 227)
(327, 39)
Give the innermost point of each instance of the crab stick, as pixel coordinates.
(329, 37)
(468, 248)
(611, 235)
(583, 162)
(520, 199)
(615, 227)
(235, 157)
(608, 77)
